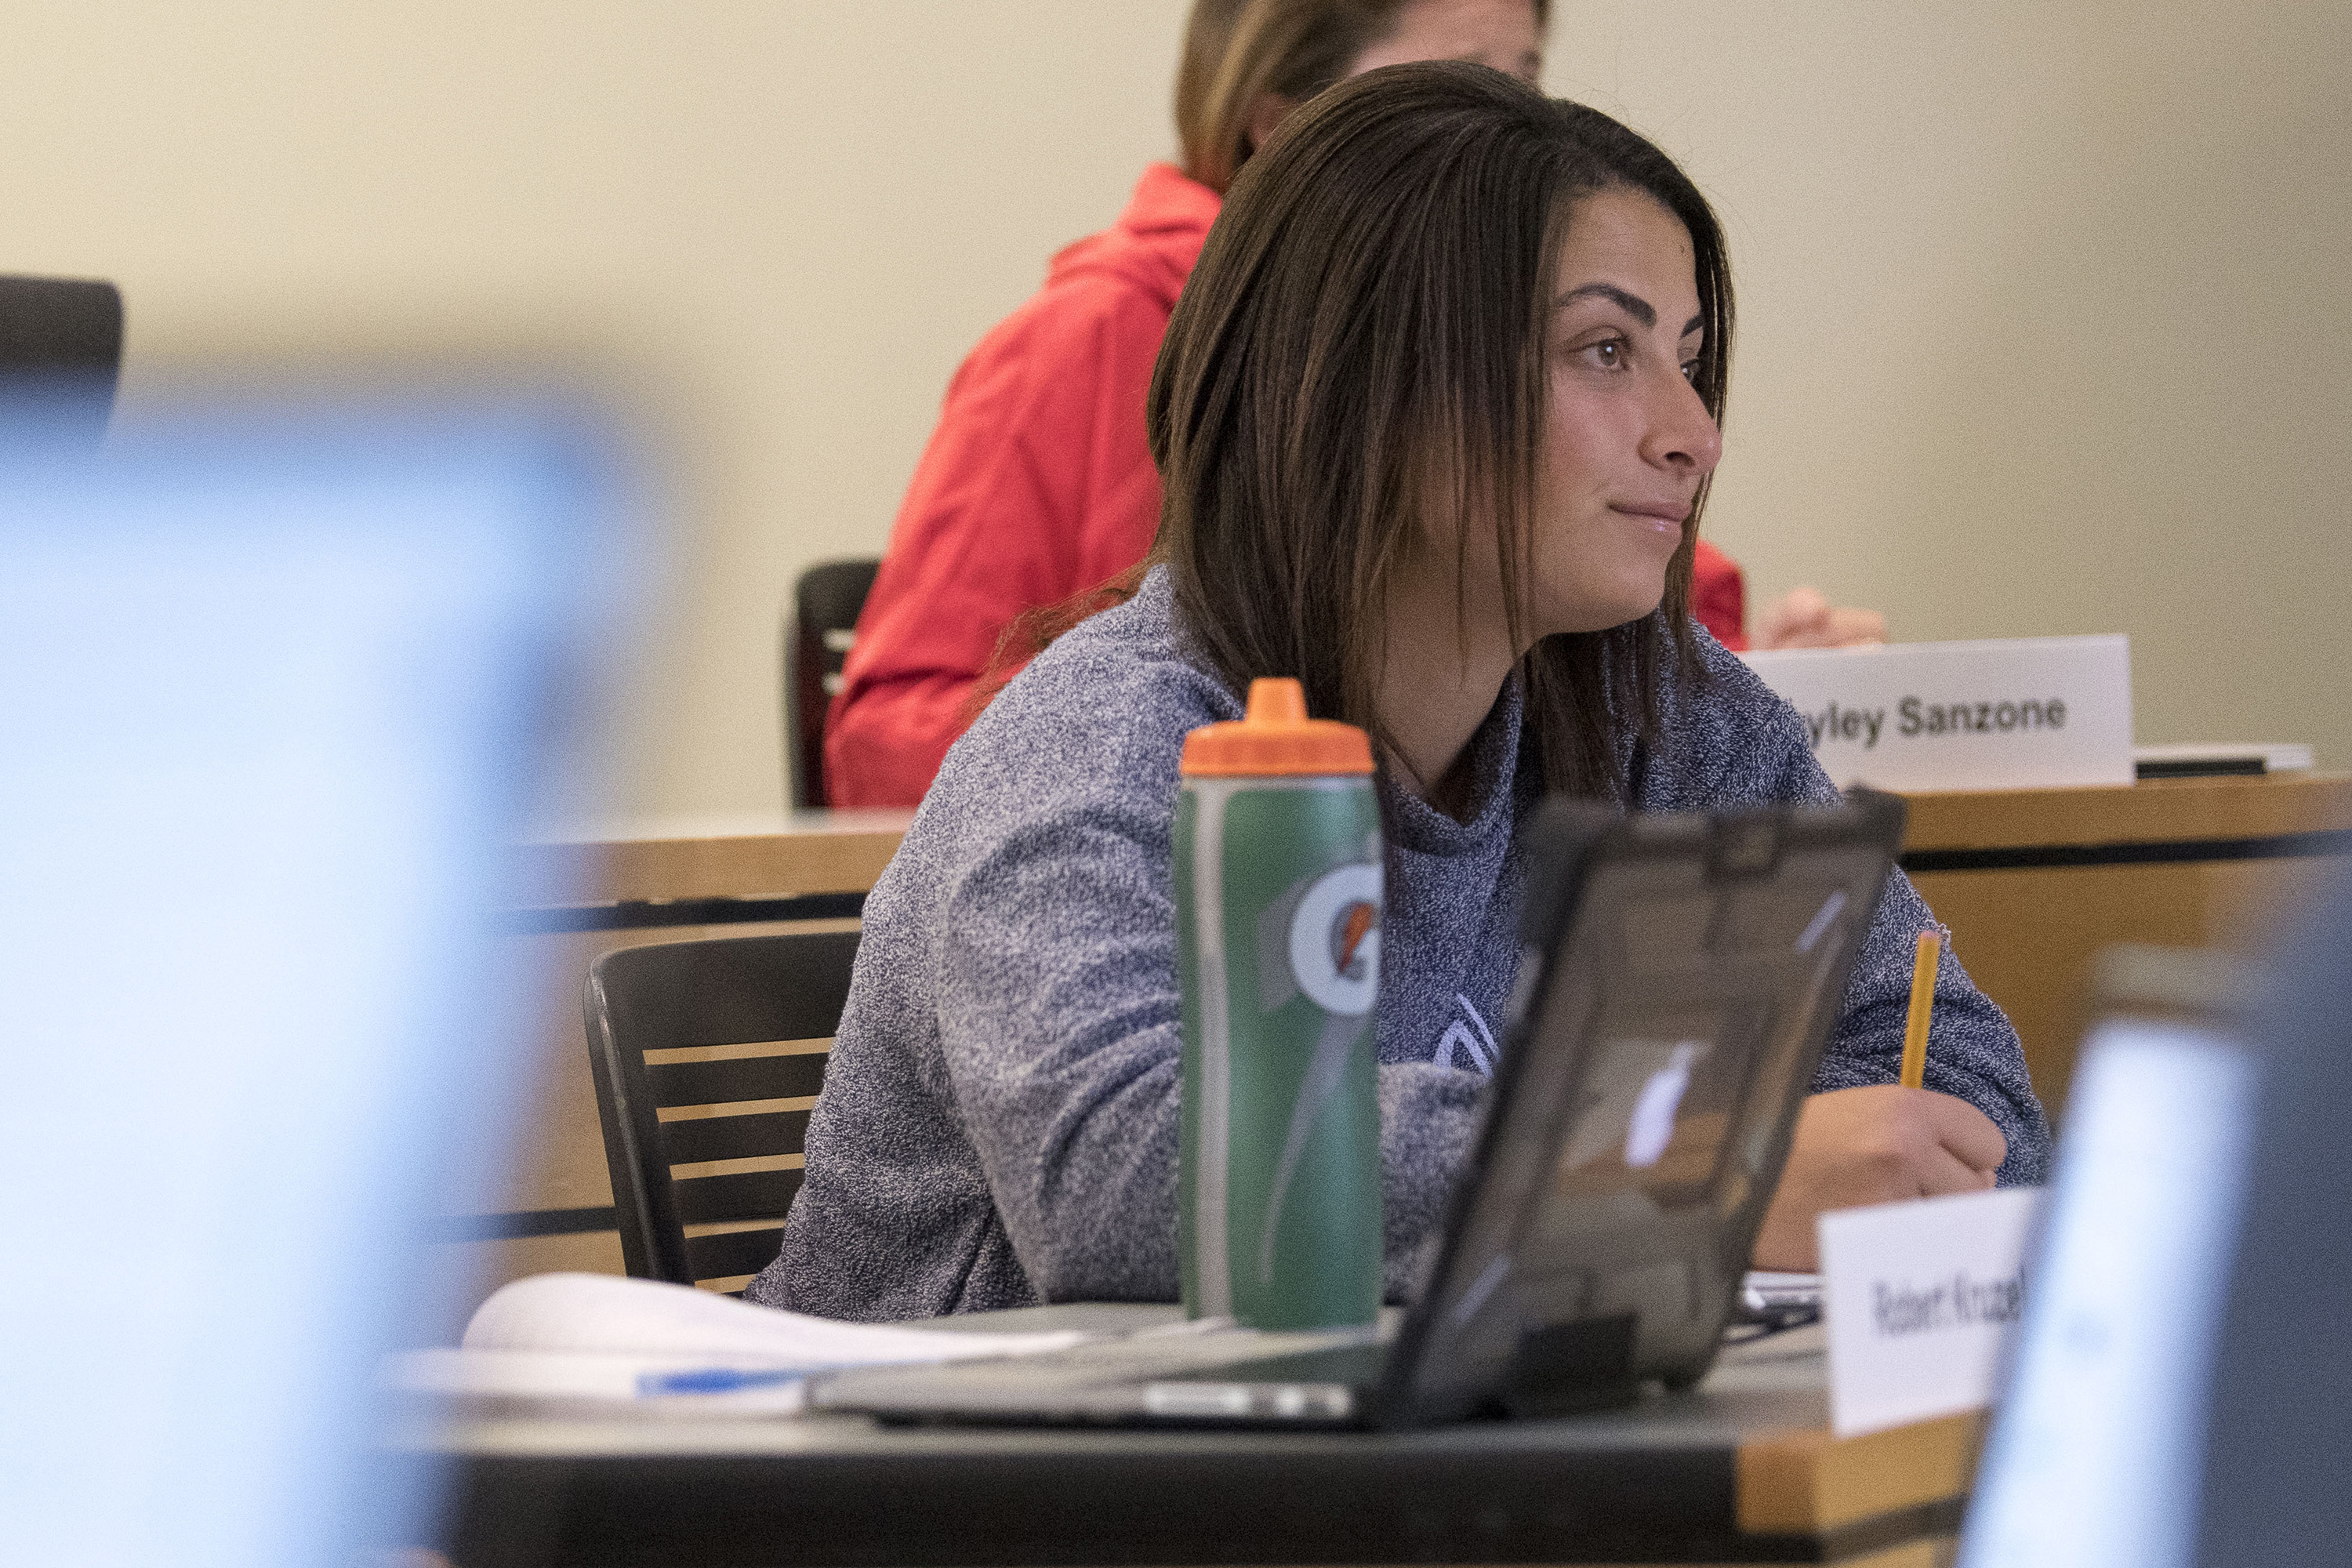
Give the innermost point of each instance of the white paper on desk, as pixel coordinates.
(593, 1336)
(1921, 1299)
(555, 1377)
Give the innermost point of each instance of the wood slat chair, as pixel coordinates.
(707, 1057)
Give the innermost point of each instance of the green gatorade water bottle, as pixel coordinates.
(1279, 947)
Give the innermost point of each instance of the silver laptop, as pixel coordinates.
(1683, 972)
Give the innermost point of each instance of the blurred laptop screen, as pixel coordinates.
(273, 686)
(2094, 1454)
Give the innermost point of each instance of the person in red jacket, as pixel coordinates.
(1037, 485)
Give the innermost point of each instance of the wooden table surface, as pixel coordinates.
(2036, 883)
(1743, 1469)
(2187, 811)
(786, 855)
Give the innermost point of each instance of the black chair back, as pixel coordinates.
(818, 635)
(63, 337)
(704, 1052)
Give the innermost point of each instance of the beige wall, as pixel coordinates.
(2044, 321)
(2042, 315)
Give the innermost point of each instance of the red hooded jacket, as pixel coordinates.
(1037, 484)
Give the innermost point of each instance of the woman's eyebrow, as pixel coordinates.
(1632, 305)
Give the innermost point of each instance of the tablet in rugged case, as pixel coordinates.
(1684, 972)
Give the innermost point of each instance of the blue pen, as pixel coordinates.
(714, 1380)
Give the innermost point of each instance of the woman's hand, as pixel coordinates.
(1874, 1145)
(1805, 620)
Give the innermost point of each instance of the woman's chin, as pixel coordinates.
(1601, 613)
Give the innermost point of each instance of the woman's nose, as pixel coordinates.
(1681, 433)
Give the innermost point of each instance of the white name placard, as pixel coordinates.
(2015, 713)
(1920, 1299)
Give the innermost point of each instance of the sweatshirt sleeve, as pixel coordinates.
(1973, 1051)
(1060, 1025)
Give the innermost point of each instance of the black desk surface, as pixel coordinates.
(1661, 1482)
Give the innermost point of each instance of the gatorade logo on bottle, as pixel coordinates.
(1335, 940)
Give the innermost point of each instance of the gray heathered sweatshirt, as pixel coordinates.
(998, 1124)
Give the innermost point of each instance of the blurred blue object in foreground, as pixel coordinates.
(2182, 1391)
(275, 685)
(2280, 1449)
(2091, 1459)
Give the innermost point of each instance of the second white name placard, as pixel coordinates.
(2017, 714)
(1920, 1299)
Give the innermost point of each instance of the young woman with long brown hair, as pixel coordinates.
(1435, 417)
(1036, 484)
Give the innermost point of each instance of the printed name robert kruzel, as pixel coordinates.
(1961, 1301)
(1914, 716)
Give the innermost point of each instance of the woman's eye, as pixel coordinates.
(1609, 355)
(1690, 371)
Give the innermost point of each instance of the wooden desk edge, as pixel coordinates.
(2155, 811)
(1809, 1483)
(762, 865)
(797, 862)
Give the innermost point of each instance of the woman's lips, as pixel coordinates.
(1664, 516)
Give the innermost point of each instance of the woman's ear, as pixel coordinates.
(1270, 110)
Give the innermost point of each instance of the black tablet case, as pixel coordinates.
(1571, 1273)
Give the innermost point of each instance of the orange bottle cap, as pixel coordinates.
(1277, 738)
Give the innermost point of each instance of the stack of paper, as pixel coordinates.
(602, 1339)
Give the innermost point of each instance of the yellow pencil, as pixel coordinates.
(1923, 1004)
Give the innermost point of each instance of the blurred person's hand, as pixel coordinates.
(1874, 1145)
(1806, 619)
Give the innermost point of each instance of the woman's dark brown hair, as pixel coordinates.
(1239, 52)
(1362, 348)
